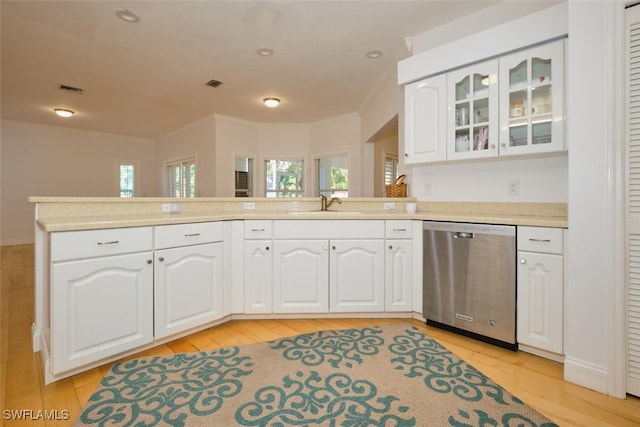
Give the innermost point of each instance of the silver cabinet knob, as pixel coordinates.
(523, 261)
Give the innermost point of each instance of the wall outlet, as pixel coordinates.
(389, 205)
(171, 207)
(514, 188)
(249, 205)
(427, 190)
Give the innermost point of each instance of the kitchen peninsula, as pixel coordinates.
(115, 276)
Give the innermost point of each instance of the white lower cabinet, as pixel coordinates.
(188, 287)
(258, 276)
(398, 271)
(100, 307)
(356, 275)
(300, 276)
(540, 288)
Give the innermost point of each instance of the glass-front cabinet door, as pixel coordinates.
(531, 100)
(472, 120)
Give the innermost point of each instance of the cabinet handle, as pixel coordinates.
(333, 247)
(112, 242)
(149, 261)
(161, 259)
(523, 261)
(192, 235)
(257, 229)
(539, 240)
(406, 154)
(493, 145)
(503, 145)
(325, 248)
(390, 246)
(399, 229)
(267, 248)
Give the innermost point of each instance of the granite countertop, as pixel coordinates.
(66, 214)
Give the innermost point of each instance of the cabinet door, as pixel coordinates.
(356, 275)
(188, 287)
(472, 122)
(532, 99)
(398, 275)
(100, 307)
(540, 301)
(300, 276)
(425, 106)
(258, 291)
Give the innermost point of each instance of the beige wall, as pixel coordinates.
(41, 160)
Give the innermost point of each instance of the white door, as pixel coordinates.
(540, 301)
(300, 276)
(398, 275)
(258, 293)
(356, 275)
(188, 287)
(633, 201)
(100, 307)
(425, 109)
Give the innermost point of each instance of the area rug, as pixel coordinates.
(393, 375)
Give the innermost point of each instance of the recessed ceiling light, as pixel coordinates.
(374, 54)
(127, 15)
(265, 51)
(271, 102)
(63, 112)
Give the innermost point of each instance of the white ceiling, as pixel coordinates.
(148, 78)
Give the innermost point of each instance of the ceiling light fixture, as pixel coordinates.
(374, 54)
(271, 102)
(127, 15)
(264, 51)
(62, 112)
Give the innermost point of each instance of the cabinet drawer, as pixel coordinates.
(68, 245)
(329, 229)
(540, 239)
(258, 229)
(398, 229)
(171, 236)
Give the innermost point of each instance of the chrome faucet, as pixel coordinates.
(326, 203)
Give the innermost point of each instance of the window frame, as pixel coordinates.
(182, 163)
(280, 193)
(330, 191)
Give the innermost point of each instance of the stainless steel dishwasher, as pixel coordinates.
(469, 274)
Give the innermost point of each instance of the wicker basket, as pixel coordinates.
(398, 188)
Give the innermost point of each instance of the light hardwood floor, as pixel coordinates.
(535, 380)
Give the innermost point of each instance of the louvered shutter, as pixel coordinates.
(633, 199)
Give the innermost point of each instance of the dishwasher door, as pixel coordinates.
(469, 273)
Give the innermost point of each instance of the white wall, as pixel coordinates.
(234, 137)
(41, 160)
(196, 139)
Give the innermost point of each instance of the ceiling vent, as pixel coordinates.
(67, 88)
(213, 83)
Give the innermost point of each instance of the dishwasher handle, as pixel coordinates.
(463, 235)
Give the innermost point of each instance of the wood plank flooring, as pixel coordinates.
(537, 381)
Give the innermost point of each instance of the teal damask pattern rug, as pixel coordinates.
(392, 375)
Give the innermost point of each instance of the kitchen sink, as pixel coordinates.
(324, 213)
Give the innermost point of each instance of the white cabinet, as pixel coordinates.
(300, 276)
(425, 109)
(540, 288)
(506, 106)
(188, 278)
(101, 294)
(532, 100)
(258, 267)
(356, 275)
(472, 122)
(398, 266)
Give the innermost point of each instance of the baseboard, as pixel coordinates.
(586, 375)
(17, 242)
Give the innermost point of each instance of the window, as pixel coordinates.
(182, 177)
(390, 169)
(333, 175)
(283, 178)
(244, 176)
(127, 178)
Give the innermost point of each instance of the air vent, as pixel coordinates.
(71, 89)
(213, 83)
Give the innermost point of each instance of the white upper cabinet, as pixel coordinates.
(472, 119)
(425, 112)
(532, 100)
(512, 105)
